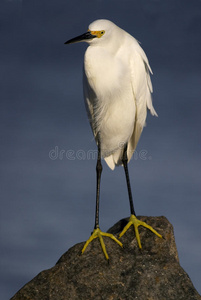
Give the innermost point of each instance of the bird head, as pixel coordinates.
(99, 31)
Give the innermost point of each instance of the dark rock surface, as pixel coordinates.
(152, 274)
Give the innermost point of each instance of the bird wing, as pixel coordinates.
(142, 89)
(90, 100)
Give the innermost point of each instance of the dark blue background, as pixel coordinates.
(47, 204)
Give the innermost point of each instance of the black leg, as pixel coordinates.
(97, 232)
(133, 220)
(125, 164)
(98, 174)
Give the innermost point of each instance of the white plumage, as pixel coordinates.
(117, 89)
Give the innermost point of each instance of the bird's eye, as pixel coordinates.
(102, 32)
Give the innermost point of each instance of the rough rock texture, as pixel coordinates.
(152, 274)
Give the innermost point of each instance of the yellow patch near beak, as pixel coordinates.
(99, 34)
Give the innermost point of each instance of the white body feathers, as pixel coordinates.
(117, 90)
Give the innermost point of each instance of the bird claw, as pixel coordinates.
(98, 233)
(136, 223)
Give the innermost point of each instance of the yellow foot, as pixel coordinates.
(98, 233)
(136, 223)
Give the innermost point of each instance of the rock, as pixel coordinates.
(151, 274)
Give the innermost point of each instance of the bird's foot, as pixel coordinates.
(136, 223)
(98, 233)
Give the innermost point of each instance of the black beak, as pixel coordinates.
(81, 38)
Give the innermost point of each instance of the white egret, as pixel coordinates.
(117, 91)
